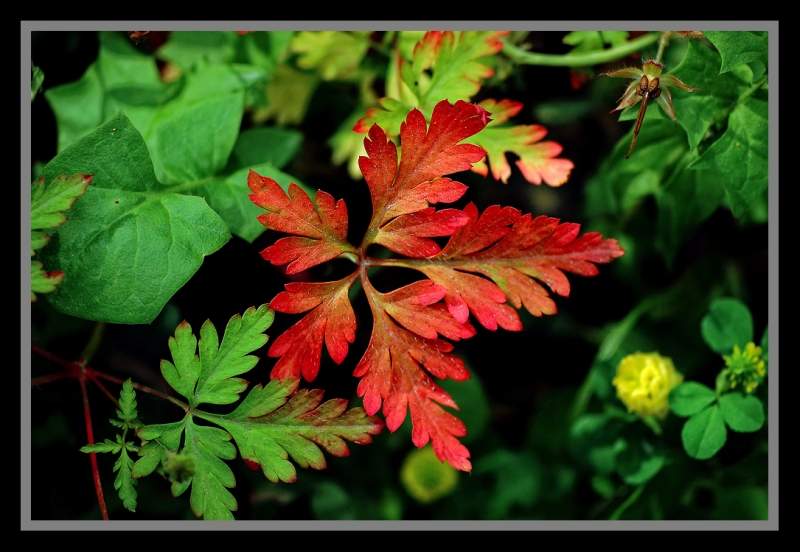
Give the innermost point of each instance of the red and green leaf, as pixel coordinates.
(538, 161)
(492, 266)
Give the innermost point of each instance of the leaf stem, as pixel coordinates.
(94, 342)
(628, 501)
(523, 57)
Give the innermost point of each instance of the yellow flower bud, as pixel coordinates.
(745, 367)
(643, 382)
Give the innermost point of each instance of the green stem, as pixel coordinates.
(94, 342)
(628, 501)
(523, 57)
(608, 347)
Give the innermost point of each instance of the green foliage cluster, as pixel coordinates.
(148, 185)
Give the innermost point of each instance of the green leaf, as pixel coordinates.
(739, 158)
(125, 485)
(640, 461)
(684, 201)
(131, 242)
(127, 402)
(83, 105)
(210, 498)
(335, 55)
(718, 95)
(274, 145)
(106, 446)
(471, 392)
(740, 47)
(161, 439)
(727, 323)
(209, 377)
(279, 421)
(704, 433)
(188, 48)
(765, 347)
(744, 413)
(689, 398)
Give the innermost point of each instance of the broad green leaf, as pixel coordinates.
(187, 48)
(704, 433)
(689, 398)
(743, 413)
(746, 502)
(131, 242)
(595, 442)
(83, 105)
(274, 145)
(719, 94)
(229, 197)
(191, 137)
(727, 323)
(684, 201)
(739, 159)
(620, 184)
(279, 421)
(740, 47)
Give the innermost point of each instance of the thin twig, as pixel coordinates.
(90, 437)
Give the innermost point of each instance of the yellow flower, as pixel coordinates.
(643, 382)
(427, 478)
(745, 368)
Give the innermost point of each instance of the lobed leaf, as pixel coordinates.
(391, 373)
(739, 47)
(321, 230)
(428, 154)
(277, 422)
(331, 321)
(515, 252)
(538, 161)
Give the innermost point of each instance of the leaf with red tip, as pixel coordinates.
(332, 322)
(538, 161)
(321, 230)
(278, 421)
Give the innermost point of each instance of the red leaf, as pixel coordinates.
(331, 321)
(391, 372)
(428, 154)
(322, 230)
(514, 251)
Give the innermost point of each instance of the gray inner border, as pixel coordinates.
(25, 411)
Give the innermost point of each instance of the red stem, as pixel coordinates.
(90, 436)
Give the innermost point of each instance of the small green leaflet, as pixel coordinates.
(272, 424)
(124, 483)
